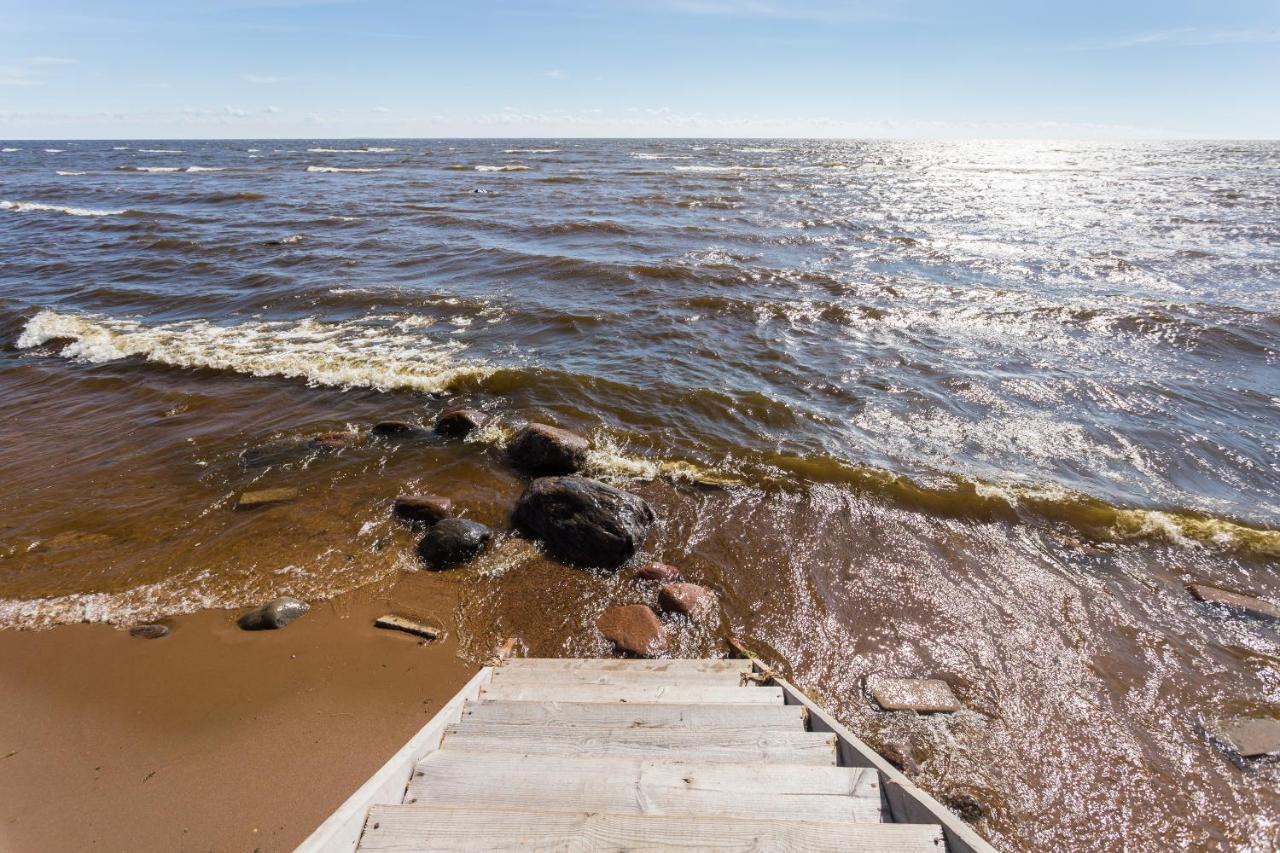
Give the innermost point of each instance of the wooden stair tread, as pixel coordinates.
(742, 746)
(508, 675)
(635, 786)
(700, 717)
(672, 665)
(425, 829)
(647, 693)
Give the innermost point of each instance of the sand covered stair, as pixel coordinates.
(637, 754)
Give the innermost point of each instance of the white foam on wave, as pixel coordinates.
(68, 174)
(35, 206)
(372, 352)
(706, 168)
(186, 593)
(54, 150)
(9, 150)
(530, 150)
(649, 155)
(370, 149)
(340, 169)
(513, 167)
(119, 147)
(759, 150)
(160, 150)
(206, 168)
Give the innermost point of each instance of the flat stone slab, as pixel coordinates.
(926, 695)
(1250, 736)
(1234, 600)
(264, 497)
(391, 622)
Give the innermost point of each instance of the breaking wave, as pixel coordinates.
(341, 169)
(373, 352)
(30, 206)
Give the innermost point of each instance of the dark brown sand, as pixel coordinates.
(211, 738)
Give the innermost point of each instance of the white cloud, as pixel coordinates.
(264, 79)
(46, 60)
(382, 109)
(272, 110)
(555, 74)
(236, 112)
(1183, 37)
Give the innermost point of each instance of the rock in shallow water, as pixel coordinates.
(583, 522)
(272, 615)
(427, 509)
(544, 450)
(396, 429)
(1251, 737)
(925, 695)
(1236, 601)
(266, 497)
(149, 632)
(696, 602)
(459, 420)
(633, 628)
(658, 572)
(452, 542)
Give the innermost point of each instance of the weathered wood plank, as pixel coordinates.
(631, 664)
(657, 693)
(630, 786)
(682, 677)
(427, 829)
(742, 746)
(705, 717)
(341, 831)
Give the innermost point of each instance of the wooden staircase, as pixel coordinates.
(548, 754)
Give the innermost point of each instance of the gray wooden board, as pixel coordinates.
(630, 664)
(631, 786)
(742, 745)
(708, 717)
(655, 693)
(426, 829)
(621, 677)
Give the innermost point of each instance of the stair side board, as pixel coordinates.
(638, 715)
(428, 829)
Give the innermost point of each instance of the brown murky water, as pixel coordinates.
(982, 424)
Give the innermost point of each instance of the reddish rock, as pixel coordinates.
(1251, 737)
(633, 628)
(1234, 600)
(332, 440)
(459, 420)
(925, 695)
(546, 450)
(696, 602)
(427, 509)
(658, 572)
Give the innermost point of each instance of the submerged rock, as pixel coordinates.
(266, 497)
(329, 441)
(696, 602)
(1251, 737)
(583, 522)
(459, 420)
(427, 509)
(633, 628)
(658, 572)
(396, 429)
(272, 615)
(925, 695)
(545, 450)
(1234, 600)
(149, 632)
(452, 542)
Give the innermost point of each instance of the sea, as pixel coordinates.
(970, 410)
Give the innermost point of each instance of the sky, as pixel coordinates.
(1075, 69)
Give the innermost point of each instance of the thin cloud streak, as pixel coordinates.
(1184, 37)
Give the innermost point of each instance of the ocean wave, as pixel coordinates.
(160, 150)
(530, 150)
(128, 168)
(54, 150)
(69, 174)
(9, 150)
(26, 206)
(372, 352)
(341, 169)
(648, 155)
(206, 169)
(759, 150)
(511, 167)
(366, 150)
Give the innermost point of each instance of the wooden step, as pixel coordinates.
(681, 665)
(648, 693)
(742, 746)
(701, 717)
(428, 829)
(631, 786)
(621, 677)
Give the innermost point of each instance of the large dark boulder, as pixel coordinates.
(273, 614)
(544, 450)
(583, 522)
(452, 542)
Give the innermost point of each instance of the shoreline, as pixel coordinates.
(214, 736)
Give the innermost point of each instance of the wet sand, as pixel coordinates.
(211, 738)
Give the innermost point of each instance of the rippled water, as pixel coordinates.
(969, 410)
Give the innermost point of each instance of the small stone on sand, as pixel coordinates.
(392, 622)
(149, 632)
(273, 614)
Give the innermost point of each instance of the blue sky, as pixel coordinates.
(327, 68)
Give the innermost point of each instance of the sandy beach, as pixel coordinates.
(211, 738)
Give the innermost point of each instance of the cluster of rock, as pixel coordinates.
(636, 629)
